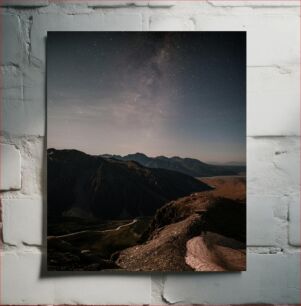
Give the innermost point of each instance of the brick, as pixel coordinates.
(108, 4)
(12, 44)
(21, 280)
(65, 7)
(276, 89)
(22, 221)
(22, 283)
(11, 87)
(10, 167)
(24, 101)
(294, 220)
(268, 34)
(89, 22)
(269, 279)
(12, 97)
(250, 3)
(273, 165)
(117, 3)
(170, 23)
(263, 222)
(161, 3)
(24, 3)
(33, 167)
(34, 100)
(157, 283)
(122, 22)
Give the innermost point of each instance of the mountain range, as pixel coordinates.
(109, 188)
(188, 166)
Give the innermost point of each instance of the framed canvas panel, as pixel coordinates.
(146, 151)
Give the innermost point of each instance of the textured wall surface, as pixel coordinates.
(273, 121)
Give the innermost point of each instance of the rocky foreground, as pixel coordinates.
(196, 233)
(205, 231)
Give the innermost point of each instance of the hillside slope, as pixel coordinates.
(83, 185)
(200, 232)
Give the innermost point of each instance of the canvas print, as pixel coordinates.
(146, 151)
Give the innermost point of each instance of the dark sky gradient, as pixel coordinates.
(173, 94)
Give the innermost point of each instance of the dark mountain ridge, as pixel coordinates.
(110, 188)
(188, 166)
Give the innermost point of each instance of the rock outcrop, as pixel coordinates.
(200, 232)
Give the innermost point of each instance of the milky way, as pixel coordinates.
(174, 94)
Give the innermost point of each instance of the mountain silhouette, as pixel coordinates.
(83, 185)
(188, 166)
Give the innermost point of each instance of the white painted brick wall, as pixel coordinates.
(10, 158)
(23, 226)
(263, 222)
(269, 279)
(22, 3)
(273, 143)
(294, 220)
(170, 23)
(13, 45)
(24, 284)
(252, 3)
(273, 88)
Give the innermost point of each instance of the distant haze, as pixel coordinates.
(173, 94)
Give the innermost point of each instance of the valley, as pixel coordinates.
(127, 217)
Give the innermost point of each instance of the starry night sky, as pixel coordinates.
(159, 93)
